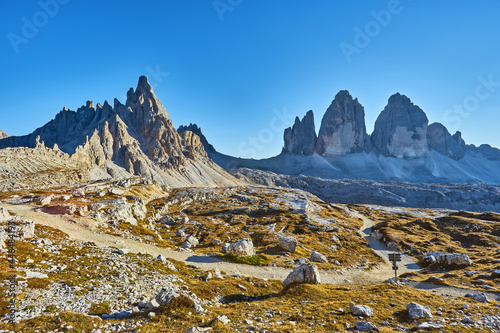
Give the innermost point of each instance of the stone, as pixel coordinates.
(207, 277)
(198, 329)
(343, 129)
(216, 241)
(481, 297)
(287, 243)
(448, 259)
(225, 248)
(223, 320)
(43, 201)
(303, 274)
(440, 140)
(401, 129)
(185, 219)
(366, 326)
(217, 274)
(428, 326)
(151, 315)
(243, 247)
(360, 310)
(180, 233)
(190, 242)
(301, 138)
(416, 311)
(318, 257)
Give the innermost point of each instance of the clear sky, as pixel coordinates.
(242, 69)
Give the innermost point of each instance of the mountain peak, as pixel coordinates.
(3, 135)
(398, 99)
(143, 85)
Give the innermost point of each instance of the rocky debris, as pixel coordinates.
(207, 276)
(164, 260)
(225, 248)
(401, 129)
(217, 274)
(416, 311)
(318, 257)
(287, 243)
(198, 329)
(216, 241)
(4, 215)
(360, 310)
(172, 291)
(190, 242)
(303, 274)
(24, 228)
(120, 209)
(223, 320)
(447, 259)
(167, 220)
(480, 297)
(366, 326)
(300, 139)
(441, 141)
(243, 247)
(428, 326)
(343, 129)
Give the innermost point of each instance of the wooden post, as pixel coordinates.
(395, 257)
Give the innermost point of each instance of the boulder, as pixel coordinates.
(366, 326)
(360, 310)
(190, 242)
(428, 326)
(243, 247)
(318, 257)
(287, 243)
(416, 311)
(447, 259)
(343, 129)
(168, 220)
(300, 139)
(303, 274)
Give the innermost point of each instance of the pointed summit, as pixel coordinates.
(401, 129)
(3, 135)
(143, 85)
(343, 128)
(301, 138)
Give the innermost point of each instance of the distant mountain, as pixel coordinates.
(135, 138)
(3, 135)
(402, 147)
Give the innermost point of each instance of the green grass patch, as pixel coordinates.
(99, 309)
(256, 259)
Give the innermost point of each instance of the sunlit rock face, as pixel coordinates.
(343, 129)
(401, 129)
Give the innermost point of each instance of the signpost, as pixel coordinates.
(395, 257)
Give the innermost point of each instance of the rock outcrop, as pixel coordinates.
(343, 129)
(303, 274)
(439, 139)
(243, 247)
(135, 138)
(416, 311)
(301, 138)
(401, 129)
(197, 130)
(3, 135)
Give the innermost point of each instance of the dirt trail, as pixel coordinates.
(83, 229)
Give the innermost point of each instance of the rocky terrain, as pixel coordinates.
(3, 135)
(477, 196)
(132, 139)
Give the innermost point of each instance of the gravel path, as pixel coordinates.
(83, 229)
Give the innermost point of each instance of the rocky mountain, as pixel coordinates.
(401, 129)
(3, 135)
(343, 129)
(123, 140)
(197, 130)
(402, 147)
(301, 137)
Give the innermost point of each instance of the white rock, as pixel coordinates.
(4, 215)
(449, 259)
(360, 310)
(318, 257)
(366, 326)
(416, 311)
(305, 273)
(287, 243)
(243, 247)
(223, 319)
(190, 242)
(427, 325)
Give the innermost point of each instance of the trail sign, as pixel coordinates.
(395, 257)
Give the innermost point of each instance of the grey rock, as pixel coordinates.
(207, 276)
(301, 138)
(416, 311)
(225, 248)
(303, 274)
(343, 128)
(360, 310)
(243, 247)
(366, 326)
(428, 326)
(401, 129)
(318, 257)
(481, 297)
(448, 259)
(439, 139)
(190, 242)
(198, 329)
(287, 243)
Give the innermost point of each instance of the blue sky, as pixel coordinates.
(242, 69)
